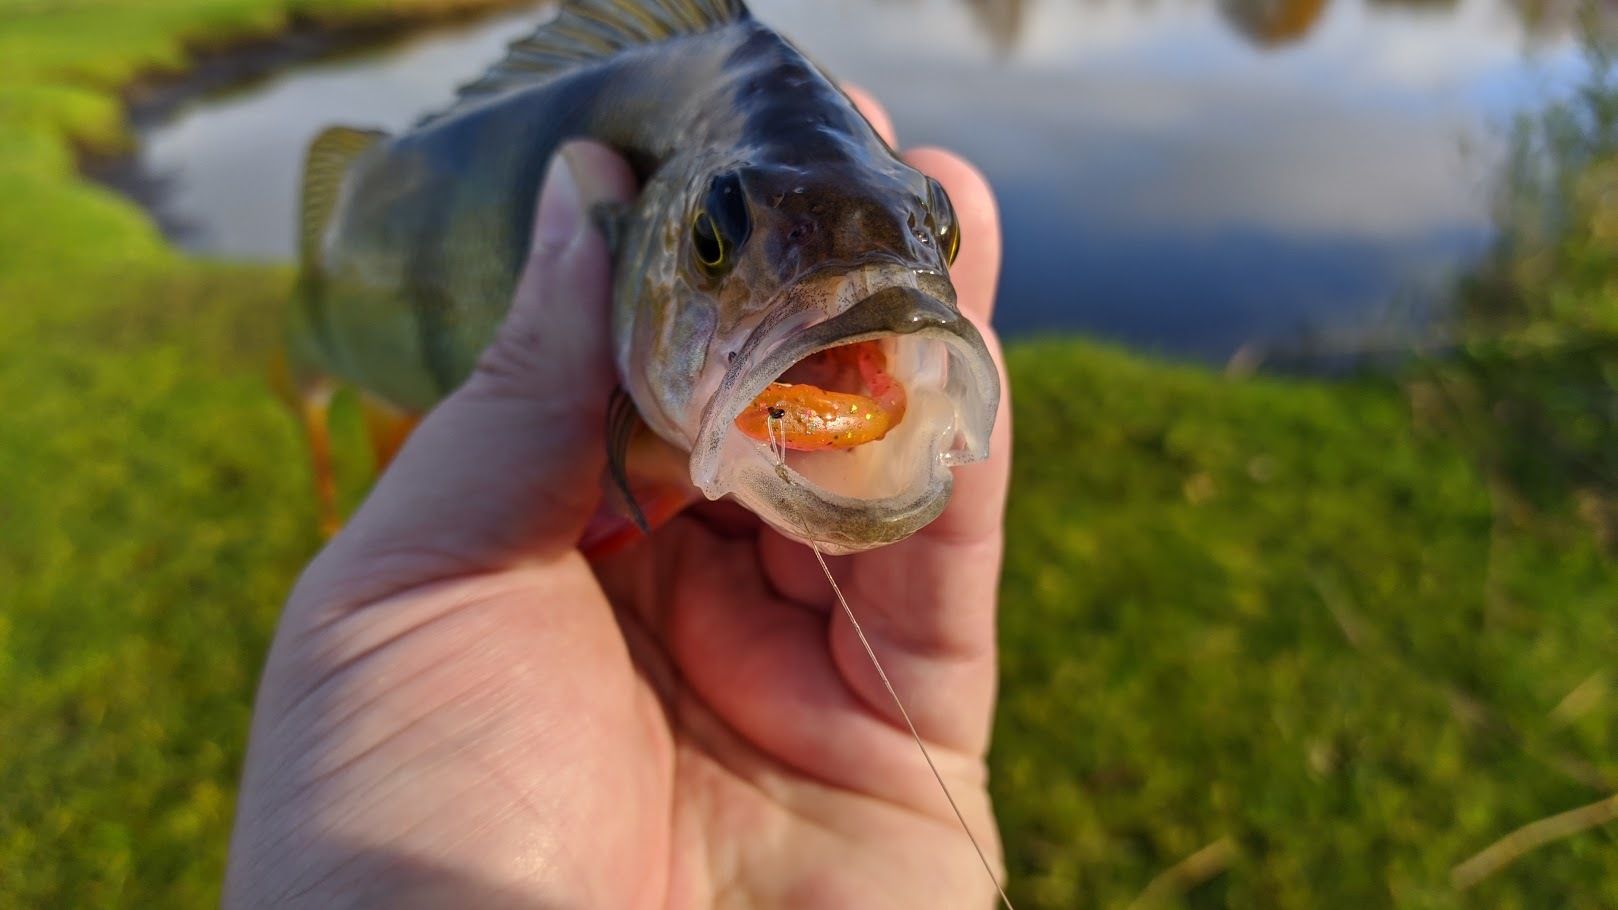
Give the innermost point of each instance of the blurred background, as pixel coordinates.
(1313, 311)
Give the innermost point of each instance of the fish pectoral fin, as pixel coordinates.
(327, 161)
(387, 427)
(623, 423)
(647, 481)
(314, 410)
(609, 532)
(612, 220)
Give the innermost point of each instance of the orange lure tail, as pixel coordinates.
(808, 418)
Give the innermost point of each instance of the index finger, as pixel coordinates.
(977, 508)
(874, 113)
(928, 603)
(976, 271)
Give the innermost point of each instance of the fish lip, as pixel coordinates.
(840, 525)
(754, 369)
(893, 303)
(812, 337)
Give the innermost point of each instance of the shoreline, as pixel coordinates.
(212, 66)
(223, 66)
(216, 66)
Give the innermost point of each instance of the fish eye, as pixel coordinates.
(722, 225)
(941, 221)
(705, 241)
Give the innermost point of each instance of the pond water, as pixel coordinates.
(1184, 175)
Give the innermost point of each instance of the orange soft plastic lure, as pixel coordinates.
(807, 418)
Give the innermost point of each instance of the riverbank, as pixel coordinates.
(1277, 625)
(74, 79)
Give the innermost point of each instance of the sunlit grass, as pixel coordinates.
(1284, 617)
(1274, 613)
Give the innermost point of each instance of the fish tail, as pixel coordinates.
(298, 372)
(324, 167)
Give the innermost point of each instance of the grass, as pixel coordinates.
(1537, 323)
(1275, 614)
(1335, 637)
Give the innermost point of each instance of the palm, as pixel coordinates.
(787, 752)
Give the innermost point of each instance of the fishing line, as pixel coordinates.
(780, 466)
(983, 858)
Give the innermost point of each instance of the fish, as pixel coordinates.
(782, 315)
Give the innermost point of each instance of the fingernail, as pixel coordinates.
(560, 207)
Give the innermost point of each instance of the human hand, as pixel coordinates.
(460, 710)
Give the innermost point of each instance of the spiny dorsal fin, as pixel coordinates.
(590, 30)
(323, 169)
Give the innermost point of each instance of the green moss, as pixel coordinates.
(1272, 612)
(1287, 614)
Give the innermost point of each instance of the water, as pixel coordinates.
(1183, 175)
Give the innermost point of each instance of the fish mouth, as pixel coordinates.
(871, 493)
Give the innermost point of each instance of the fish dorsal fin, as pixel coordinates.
(323, 168)
(585, 30)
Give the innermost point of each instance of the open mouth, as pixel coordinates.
(837, 398)
(852, 419)
(839, 423)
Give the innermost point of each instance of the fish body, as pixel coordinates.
(774, 225)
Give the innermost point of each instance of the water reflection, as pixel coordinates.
(1001, 21)
(1180, 174)
(1269, 23)
(1277, 23)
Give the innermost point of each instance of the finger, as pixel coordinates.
(977, 507)
(875, 114)
(506, 467)
(976, 271)
(928, 606)
(928, 603)
(793, 572)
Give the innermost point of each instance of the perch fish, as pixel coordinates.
(782, 311)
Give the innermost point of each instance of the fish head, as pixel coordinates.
(808, 219)
(783, 269)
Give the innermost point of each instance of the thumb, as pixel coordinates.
(507, 467)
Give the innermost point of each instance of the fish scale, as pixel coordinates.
(773, 223)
